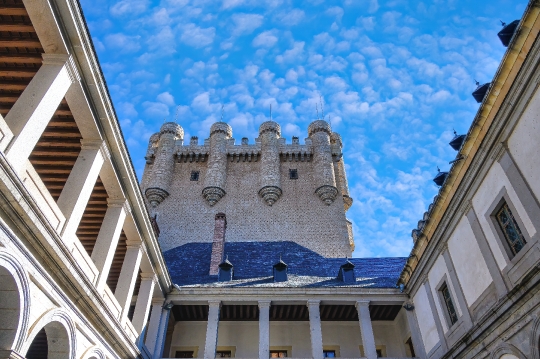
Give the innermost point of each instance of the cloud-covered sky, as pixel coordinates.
(395, 78)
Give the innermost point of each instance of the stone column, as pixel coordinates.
(216, 175)
(162, 170)
(366, 330)
(218, 244)
(315, 329)
(107, 240)
(269, 134)
(416, 335)
(35, 107)
(264, 329)
(339, 170)
(153, 326)
(319, 131)
(212, 329)
(80, 183)
(144, 299)
(162, 331)
(128, 276)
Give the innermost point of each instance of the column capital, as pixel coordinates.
(119, 202)
(362, 303)
(409, 306)
(214, 303)
(96, 145)
(265, 303)
(133, 244)
(313, 302)
(63, 60)
(148, 276)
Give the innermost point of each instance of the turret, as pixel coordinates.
(339, 169)
(269, 134)
(319, 132)
(216, 175)
(163, 167)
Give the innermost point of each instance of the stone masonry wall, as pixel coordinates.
(299, 215)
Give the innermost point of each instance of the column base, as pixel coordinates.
(213, 194)
(327, 194)
(270, 194)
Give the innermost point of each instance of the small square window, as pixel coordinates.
(452, 314)
(379, 353)
(194, 176)
(223, 354)
(293, 174)
(329, 353)
(510, 229)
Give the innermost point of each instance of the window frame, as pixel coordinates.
(511, 222)
(448, 301)
(197, 175)
(293, 173)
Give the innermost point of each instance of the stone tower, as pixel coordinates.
(269, 190)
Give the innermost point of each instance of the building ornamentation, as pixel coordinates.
(270, 194)
(213, 194)
(327, 194)
(155, 196)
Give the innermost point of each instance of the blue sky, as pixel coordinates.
(395, 78)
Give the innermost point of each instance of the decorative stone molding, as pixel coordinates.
(318, 126)
(96, 145)
(155, 196)
(172, 128)
(347, 202)
(63, 60)
(221, 127)
(506, 348)
(213, 194)
(119, 202)
(270, 194)
(265, 303)
(327, 194)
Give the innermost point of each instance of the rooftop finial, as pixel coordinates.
(455, 133)
(502, 23)
(438, 169)
(477, 83)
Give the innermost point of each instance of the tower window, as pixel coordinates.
(278, 353)
(194, 176)
(510, 229)
(452, 314)
(329, 353)
(293, 174)
(223, 354)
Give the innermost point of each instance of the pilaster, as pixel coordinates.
(210, 346)
(128, 276)
(264, 329)
(366, 329)
(144, 300)
(416, 335)
(315, 329)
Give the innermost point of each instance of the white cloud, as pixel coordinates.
(196, 36)
(129, 7)
(265, 39)
(335, 12)
(123, 43)
(291, 17)
(245, 24)
(166, 98)
(292, 54)
(155, 110)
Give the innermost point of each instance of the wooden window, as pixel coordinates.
(510, 229)
(223, 354)
(183, 354)
(452, 314)
(194, 176)
(329, 353)
(278, 353)
(293, 174)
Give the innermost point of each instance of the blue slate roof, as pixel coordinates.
(189, 265)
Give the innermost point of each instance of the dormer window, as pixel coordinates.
(194, 176)
(293, 174)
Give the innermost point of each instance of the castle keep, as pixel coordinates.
(269, 190)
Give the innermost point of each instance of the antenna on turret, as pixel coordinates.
(176, 116)
(222, 107)
(322, 107)
(270, 112)
(317, 108)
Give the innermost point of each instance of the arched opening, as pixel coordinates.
(10, 309)
(509, 356)
(51, 342)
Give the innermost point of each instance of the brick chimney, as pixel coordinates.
(218, 244)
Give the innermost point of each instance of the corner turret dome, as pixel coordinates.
(174, 128)
(270, 126)
(221, 127)
(318, 126)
